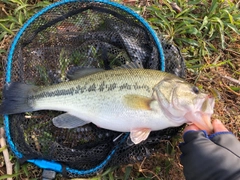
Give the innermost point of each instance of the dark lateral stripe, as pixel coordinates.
(89, 88)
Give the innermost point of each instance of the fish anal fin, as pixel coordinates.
(68, 121)
(139, 135)
(135, 101)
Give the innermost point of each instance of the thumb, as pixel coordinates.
(191, 127)
(218, 126)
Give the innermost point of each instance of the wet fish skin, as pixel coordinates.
(126, 100)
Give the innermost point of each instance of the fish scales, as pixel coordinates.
(127, 100)
(120, 81)
(101, 96)
(90, 90)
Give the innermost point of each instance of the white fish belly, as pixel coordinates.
(113, 114)
(100, 100)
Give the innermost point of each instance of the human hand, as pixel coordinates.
(214, 156)
(217, 127)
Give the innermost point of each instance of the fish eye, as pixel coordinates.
(195, 90)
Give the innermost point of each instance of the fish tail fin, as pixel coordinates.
(15, 98)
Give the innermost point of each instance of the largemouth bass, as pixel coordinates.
(127, 100)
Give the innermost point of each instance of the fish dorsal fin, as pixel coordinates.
(135, 101)
(79, 72)
(139, 135)
(131, 65)
(68, 121)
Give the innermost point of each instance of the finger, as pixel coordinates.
(191, 127)
(218, 126)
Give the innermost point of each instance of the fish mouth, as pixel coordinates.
(202, 121)
(208, 104)
(202, 117)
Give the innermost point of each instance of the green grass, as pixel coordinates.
(202, 30)
(16, 13)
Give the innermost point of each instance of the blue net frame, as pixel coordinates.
(51, 165)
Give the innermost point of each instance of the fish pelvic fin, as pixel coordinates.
(139, 135)
(68, 121)
(15, 98)
(135, 101)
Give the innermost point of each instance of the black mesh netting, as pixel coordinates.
(74, 35)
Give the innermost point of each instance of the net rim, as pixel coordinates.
(44, 10)
(45, 164)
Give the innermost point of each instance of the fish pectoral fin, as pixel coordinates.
(139, 135)
(135, 101)
(68, 121)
